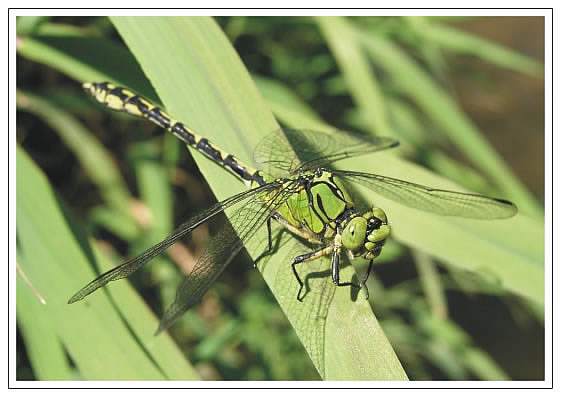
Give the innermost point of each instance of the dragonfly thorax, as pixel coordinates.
(364, 234)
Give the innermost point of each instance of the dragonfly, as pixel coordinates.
(300, 191)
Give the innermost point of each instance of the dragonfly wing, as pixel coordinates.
(442, 202)
(221, 249)
(131, 266)
(291, 149)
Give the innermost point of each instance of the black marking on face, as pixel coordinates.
(373, 224)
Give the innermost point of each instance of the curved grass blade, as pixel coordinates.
(464, 42)
(103, 341)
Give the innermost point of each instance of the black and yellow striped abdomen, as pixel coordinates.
(123, 100)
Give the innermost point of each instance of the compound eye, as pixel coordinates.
(354, 233)
(380, 214)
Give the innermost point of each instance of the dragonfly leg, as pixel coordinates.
(302, 232)
(335, 265)
(269, 249)
(310, 237)
(304, 258)
(365, 277)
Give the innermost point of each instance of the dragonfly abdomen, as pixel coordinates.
(123, 100)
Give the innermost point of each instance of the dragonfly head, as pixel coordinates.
(364, 235)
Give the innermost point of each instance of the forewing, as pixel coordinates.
(290, 150)
(442, 202)
(221, 249)
(131, 266)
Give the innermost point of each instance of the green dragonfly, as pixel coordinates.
(301, 194)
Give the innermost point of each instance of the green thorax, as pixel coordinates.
(318, 202)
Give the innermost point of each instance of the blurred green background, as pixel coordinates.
(465, 96)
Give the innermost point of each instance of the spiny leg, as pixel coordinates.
(304, 258)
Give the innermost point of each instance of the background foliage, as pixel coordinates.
(456, 299)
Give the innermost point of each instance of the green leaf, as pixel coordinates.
(463, 42)
(103, 341)
(445, 113)
(29, 23)
(355, 68)
(93, 157)
(43, 347)
(78, 57)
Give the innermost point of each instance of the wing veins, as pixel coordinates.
(211, 264)
(129, 267)
(439, 201)
(291, 150)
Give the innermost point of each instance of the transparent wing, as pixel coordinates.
(131, 266)
(290, 150)
(221, 249)
(309, 316)
(442, 202)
